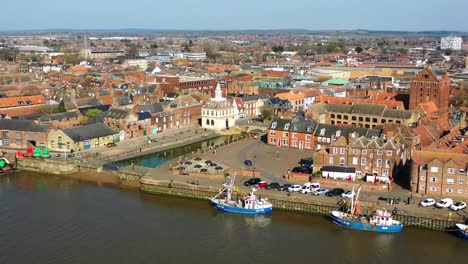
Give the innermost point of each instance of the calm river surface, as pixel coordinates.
(47, 219)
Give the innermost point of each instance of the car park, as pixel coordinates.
(295, 188)
(273, 185)
(248, 163)
(320, 191)
(252, 181)
(335, 192)
(261, 184)
(444, 203)
(458, 206)
(285, 187)
(348, 194)
(427, 202)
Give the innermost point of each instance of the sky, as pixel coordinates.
(404, 15)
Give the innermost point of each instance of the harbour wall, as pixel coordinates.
(202, 193)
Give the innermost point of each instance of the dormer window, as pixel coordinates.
(295, 127)
(273, 125)
(286, 127)
(338, 133)
(309, 129)
(322, 132)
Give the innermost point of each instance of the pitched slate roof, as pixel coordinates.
(21, 125)
(303, 126)
(143, 115)
(276, 102)
(339, 108)
(117, 113)
(280, 124)
(368, 109)
(255, 97)
(152, 108)
(395, 113)
(81, 133)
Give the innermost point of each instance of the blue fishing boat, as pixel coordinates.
(249, 204)
(462, 231)
(379, 221)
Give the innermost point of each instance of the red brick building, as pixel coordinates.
(430, 85)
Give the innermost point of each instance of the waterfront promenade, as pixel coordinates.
(271, 165)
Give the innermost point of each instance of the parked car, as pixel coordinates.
(197, 158)
(207, 161)
(335, 192)
(320, 191)
(188, 163)
(218, 168)
(285, 187)
(252, 181)
(309, 187)
(444, 203)
(306, 162)
(248, 163)
(427, 202)
(111, 144)
(198, 166)
(458, 206)
(304, 170)
(294, 188)
(348, 194)
(180, 168)
(204, 170)
(274, 185)
(261, 184)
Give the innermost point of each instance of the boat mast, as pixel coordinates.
(355, 199)
(229, 188)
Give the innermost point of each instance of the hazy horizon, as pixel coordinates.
(212, 15)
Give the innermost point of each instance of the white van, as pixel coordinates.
(309, 187)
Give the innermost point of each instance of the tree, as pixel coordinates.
(448, 52)
(61, 107)
(266, 112)
(190, 43)
(132, 51)
(90, 114)
(403, 51)
(358, 49)
(278, 48)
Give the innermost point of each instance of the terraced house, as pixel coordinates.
(310, 135)
(440, 173)
(374, 157)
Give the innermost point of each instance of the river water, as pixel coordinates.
(155, 159)
(49, 219)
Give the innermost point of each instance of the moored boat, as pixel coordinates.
(249, 204)
(462, 231)
(378, 221)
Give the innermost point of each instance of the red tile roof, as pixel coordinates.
(22, 101)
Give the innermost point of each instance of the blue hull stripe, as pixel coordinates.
(232, 209)
(366, 227)
(463, 234)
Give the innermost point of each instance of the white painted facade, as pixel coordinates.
(218, 113)
(454, 43)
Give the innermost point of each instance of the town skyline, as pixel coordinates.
(259, 15)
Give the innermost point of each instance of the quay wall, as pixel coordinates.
(202, 193)
(47, 165)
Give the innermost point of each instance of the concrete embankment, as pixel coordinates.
(291, 204)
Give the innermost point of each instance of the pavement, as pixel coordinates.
(272, 164)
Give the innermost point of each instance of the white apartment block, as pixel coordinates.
(454, 43)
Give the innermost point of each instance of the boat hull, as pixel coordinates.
(462, 231)
(366, 227)
(239, 210)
